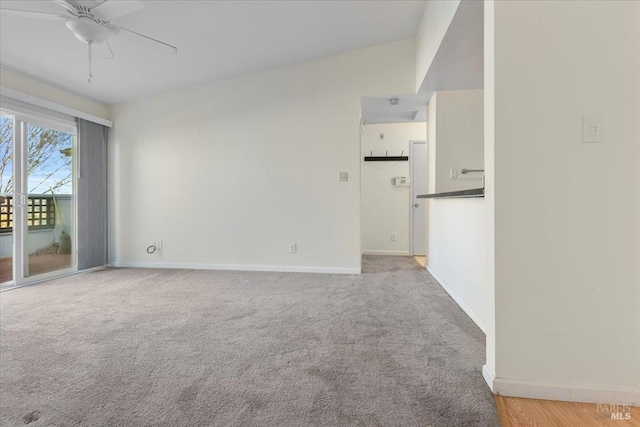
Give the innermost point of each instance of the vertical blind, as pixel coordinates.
(92, 195)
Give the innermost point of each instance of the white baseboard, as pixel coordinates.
(463, 305)
(587, 393)
(392, 253)
(488, 376)
(237, 267)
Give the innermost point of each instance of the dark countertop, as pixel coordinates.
(476, 192)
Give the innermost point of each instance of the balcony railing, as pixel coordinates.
(41, 212)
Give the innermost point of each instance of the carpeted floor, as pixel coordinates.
(136, 347)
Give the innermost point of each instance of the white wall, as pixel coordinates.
(386, 208)
(459, 139)
(456, 139)
(436, 19)
(456, 253)
(229, 173)
(34, 87)
(432, 108)
(567, 213)
(488, 370)
(456, 227)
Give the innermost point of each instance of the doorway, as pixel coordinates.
(37, 198)
(418, 222)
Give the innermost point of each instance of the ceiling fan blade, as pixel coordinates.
(112, 9)
(143, 40)
(30, 14)
(68, 6)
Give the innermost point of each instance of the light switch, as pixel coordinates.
(592, 129)
(343, 177)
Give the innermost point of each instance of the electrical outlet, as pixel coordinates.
(154, 247)
(343, 177)
(393, 237)
(293, 248)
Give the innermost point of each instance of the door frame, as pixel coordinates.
(412, 191)
(21, 119)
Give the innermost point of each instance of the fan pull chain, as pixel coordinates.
(90, 73)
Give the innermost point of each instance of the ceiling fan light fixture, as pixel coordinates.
(90, 27)
(87, 30)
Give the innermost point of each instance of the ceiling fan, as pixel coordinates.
(90, 22)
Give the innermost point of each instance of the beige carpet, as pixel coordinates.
(135, 347)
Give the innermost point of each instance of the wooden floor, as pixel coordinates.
(517, 412)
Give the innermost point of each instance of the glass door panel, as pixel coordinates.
(49, 211)
(6, 199)
(37, 200)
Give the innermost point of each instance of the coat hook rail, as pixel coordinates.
(386, 158)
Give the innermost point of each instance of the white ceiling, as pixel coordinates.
(378, 109)
(215, 40)
(459, 62)
(458, 65)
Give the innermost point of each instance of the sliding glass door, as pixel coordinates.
(37, 217)
(6, 199)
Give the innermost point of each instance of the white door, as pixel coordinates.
(418, 206)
